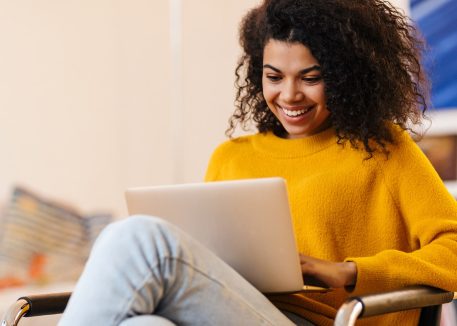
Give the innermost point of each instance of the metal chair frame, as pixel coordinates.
(428, 299)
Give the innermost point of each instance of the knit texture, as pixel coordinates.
(391, 215)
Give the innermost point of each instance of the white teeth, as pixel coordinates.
(295, 113)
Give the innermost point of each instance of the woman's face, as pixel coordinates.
(293, 88)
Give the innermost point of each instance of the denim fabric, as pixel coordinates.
(144, 266)
(147, 321)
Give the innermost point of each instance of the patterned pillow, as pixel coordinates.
(43, 241)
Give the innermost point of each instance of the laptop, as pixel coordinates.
(247, 223)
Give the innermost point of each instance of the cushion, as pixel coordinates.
(44, 241)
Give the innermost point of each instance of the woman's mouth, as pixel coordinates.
(294, 113)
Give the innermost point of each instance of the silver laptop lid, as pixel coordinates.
(247, 223)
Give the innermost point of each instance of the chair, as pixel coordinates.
(426, 298)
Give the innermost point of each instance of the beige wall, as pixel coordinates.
(210, 53)
(93, 97)
(82, 105)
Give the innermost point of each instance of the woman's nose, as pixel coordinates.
(291, 92)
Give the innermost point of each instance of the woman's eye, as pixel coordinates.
(273, 78)
(312, 80)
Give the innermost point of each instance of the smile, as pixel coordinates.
(296, 113)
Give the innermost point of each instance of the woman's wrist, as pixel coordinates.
(350, 273)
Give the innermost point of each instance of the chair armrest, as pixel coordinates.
(394, 301)
(36, 305)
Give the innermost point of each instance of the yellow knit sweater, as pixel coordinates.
(392, 216)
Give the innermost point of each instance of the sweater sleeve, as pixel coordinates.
(429, 213)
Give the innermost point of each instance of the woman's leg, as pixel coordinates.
(143, 265)
(150, 320)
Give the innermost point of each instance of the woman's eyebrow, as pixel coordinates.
(306, 70)
(302, 72)
(271, 67)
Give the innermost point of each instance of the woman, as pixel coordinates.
(331, 86)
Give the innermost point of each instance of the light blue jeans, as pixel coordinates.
(145, 271)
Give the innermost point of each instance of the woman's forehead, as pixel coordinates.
(288, 56)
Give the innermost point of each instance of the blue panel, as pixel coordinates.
(437, 20)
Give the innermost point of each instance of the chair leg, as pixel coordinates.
(430, 316)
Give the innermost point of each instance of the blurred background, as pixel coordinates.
(436, 21)
(97, 96)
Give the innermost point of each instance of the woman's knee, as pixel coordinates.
(134, 227)
(136, 224)
(147, 321)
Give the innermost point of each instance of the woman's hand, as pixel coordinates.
(335, 275)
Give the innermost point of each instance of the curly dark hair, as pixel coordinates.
(370, 58)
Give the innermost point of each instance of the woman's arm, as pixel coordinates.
(429, 216)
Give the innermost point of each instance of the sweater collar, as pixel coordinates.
(272, 145)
